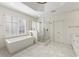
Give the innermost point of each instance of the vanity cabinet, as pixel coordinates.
(75, 44)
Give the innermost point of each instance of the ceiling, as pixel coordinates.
(68, 6)
(35, 9)
(34, 5)
(18, 6)
(47, 7)
(50, 6)
(53, 6)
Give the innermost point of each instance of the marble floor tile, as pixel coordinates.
(42, 49)
(53, 49)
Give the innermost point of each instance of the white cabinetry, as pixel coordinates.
(75, 43)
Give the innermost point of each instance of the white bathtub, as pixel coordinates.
(18, 43)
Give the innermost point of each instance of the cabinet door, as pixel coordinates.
(59, 31)
(75, 44)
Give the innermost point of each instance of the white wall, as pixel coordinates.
(71, 19)
(7, 11)
(72, 23)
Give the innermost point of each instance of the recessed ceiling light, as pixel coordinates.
(53, 11)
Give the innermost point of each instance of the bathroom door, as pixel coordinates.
(59, 31)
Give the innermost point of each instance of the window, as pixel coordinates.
(15, 25)
(35, 26)
(22, 26)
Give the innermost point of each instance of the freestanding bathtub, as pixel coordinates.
(18, 43)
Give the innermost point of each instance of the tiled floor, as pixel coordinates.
(4, 53)
(52, 49)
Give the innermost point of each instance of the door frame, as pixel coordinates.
(54, 30)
